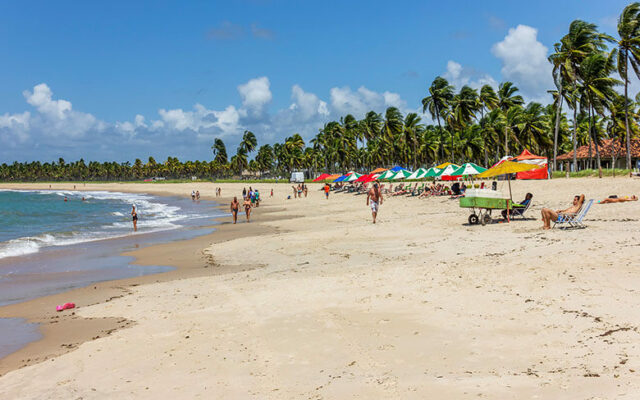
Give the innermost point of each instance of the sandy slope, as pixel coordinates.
(420, 305)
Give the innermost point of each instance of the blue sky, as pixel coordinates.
(123, 80)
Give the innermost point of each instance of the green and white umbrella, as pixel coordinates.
(417, 174)
(401, 175)
(448, 170)
(468, 169)
(388, 174)
(431, 172)
(353, 177)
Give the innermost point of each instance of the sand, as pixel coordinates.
(320, 303)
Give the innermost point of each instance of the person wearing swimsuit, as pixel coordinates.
(234, 209)
(247, 208)
(134, 217)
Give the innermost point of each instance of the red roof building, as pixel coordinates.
(609, 149)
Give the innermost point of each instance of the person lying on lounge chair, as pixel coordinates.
(524, 203)
(549, 215)
(616, 199)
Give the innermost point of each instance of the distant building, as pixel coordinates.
(608, 149)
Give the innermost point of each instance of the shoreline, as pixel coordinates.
(62, 332)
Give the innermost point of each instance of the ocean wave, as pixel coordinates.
(154, 216)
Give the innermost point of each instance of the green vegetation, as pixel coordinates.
(592, 173)
(473, 125)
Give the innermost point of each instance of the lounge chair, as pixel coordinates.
(519, 211)
(566, 221)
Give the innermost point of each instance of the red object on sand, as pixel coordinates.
(66, 306)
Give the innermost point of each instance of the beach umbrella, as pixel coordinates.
(363, 177)
(448, 170)
(353, 177)
(341, 178)
(378, 171)
(331, 177)
(397, 168)
(432, 172)
(321, 177)
(508, 168)
(388, 174)
(444, 165)
(468, 169)
(417, 174)
(401, 175)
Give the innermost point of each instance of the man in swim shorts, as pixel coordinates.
(235, 205)
(374, 199)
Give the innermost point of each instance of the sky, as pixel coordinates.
(120, 80)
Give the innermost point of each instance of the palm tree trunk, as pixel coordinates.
(595, 142)
(575, 137)
(626, 115)
(506, 142)
(557, 128)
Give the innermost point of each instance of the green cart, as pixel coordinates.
(481, 208)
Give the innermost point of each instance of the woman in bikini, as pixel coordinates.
(247, 208)
(616, 199)
(134, 217)
(234, 209)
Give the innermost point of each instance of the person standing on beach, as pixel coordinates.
(193, 195)
(244, 193)
(271, 192)
(134, 218)
(198, 195)
(374, 199)
(327, 189)
(234, 209)
(247, 208)
(304, 189)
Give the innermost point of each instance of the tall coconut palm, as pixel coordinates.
(249, 142)
(629, 53)
(582, 39)
(440, 94)
(219, 151)
(598, 92)
(507, 99)
(463, 106)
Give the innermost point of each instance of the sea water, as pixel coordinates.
(49, 245)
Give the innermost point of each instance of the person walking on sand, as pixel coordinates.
(374, 199)
(134, 218)
(244, 193)
(327, 189)
(271, 192)
(304, 189)
(247, 208)
(235, 206)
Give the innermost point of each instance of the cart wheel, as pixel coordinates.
(486, 219)
(473, 219)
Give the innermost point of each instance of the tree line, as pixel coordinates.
(471, 125)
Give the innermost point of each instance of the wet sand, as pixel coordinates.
(328, 305)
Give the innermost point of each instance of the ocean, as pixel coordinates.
(49, 245)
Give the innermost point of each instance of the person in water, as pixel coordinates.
(198, 195)
(193, 195)
(549, 215)
(616, 199)
(234, 209)
(134, 218)
(247, 208)
(65, 198)
(374, 199)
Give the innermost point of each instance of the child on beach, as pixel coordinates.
(327, 188)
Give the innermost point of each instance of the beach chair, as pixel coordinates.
(519, 212)
(567, 221)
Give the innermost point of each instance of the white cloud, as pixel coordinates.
(524, 61)
(345, 101)
(57, 117)
(256, 95)
(63, 131)
(458, 76)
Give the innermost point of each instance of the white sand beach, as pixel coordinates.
(420, 305)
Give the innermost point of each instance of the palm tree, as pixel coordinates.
(440, 94)
(581, 40)
(464, 106)
(487, 100)
(595, 71)
(507, 99)
(219, 151)
(629, 53)
(249, 142)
